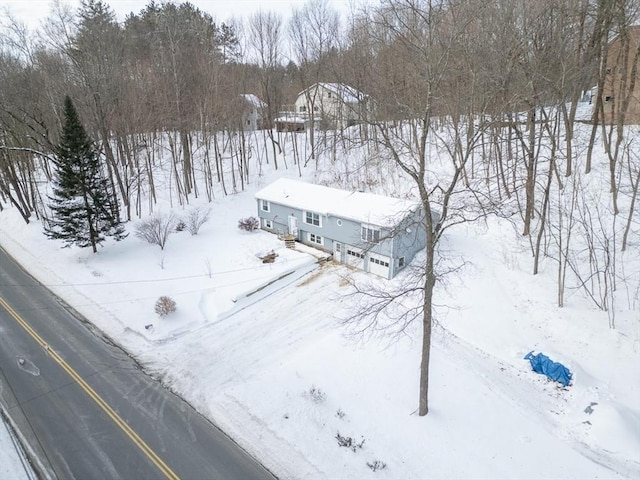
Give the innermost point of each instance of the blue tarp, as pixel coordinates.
(554, 370)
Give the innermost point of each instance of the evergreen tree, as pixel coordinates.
(84, 211)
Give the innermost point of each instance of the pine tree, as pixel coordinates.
(84, 211)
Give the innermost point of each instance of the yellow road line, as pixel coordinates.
(135, 438)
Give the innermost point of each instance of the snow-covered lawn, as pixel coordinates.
(258, 348)
(13, 462)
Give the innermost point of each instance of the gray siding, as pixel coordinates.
(411, 239)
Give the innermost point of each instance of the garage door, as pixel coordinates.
(355, 257)
(379, 265)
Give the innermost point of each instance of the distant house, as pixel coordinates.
(332, 105)
(336, 104)
(375, 233)
(621, 89)
(252, 110)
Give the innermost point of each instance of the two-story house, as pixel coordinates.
(336, 104)
(375, 233)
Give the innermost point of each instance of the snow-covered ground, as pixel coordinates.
(13, 462)
(259, 349)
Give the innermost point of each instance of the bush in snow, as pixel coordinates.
(165, 305)
(349, 442)
(315, 394)
(180, 226)
(196, 218)
(248, 224)
(376, 465)
(156, 229)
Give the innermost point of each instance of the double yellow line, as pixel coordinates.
(135, 438)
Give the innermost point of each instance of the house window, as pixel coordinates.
(370, 234)
(303, 108)
(266, 223)
(401, 262)
(339, 222)
(265, 206)
(317, 239)
(312, 218)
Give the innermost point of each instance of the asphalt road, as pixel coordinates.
(86, 409)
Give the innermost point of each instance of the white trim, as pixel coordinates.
(266, 223)
(265, 205)
(312, 213)
(315, 239)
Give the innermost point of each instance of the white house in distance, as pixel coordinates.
(375, 233)
(252, 109)
(335, 105)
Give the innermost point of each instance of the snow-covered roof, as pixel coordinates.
(358, 206)
(253, 100)
(346, 93)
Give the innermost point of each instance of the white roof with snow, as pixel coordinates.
(253, 100)
(358, 206)
(346, 93)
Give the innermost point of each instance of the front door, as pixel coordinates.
(337, 252)
(293, 225)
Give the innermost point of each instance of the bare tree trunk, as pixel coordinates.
(427, 322)
(530, 182)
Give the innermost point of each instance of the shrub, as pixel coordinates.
(165, 305)
(156, 229)
(349, 442)
(196, 218)
(315, 394)
(180, 226)
(376, 465)
(248, 224)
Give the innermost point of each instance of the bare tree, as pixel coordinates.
(265, 38)
(419, 35)
(156, 229)
(313, 34)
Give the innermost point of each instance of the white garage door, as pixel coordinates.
(355, 257)
(379, 265)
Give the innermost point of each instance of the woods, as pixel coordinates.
(477, 109)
